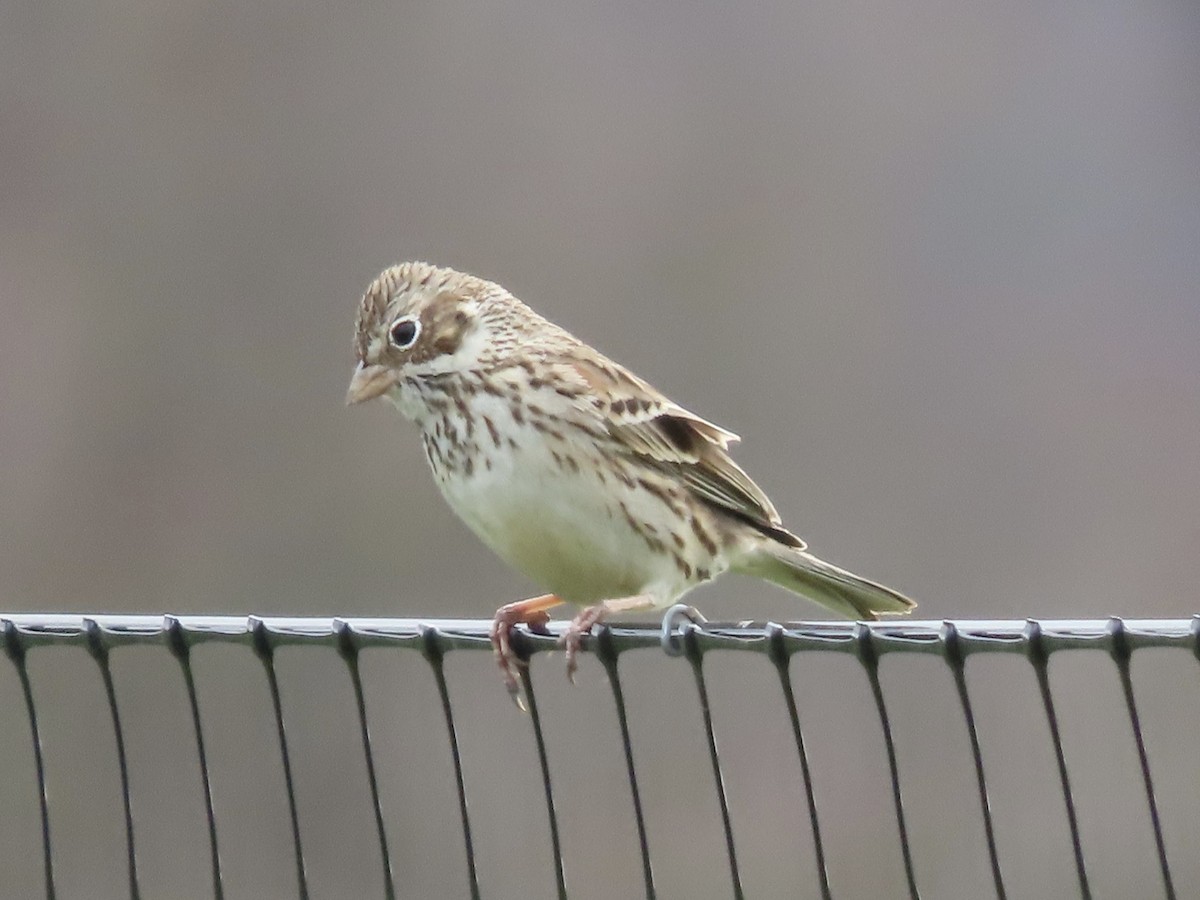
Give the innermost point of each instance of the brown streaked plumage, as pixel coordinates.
(570, 467)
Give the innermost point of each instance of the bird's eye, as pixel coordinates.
(404, 332)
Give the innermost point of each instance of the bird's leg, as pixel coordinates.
(581, 625)
(531, 612)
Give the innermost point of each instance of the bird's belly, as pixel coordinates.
(563, 528)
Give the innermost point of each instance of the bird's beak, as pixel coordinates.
(369, 382)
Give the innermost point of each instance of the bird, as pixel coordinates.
(569, 467)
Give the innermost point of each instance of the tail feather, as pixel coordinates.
(843, 592)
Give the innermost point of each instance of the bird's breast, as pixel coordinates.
(553, 507)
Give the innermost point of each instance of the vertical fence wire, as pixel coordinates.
(178, 645)
(606, 652)
(535, 720)
(265, 651)
(1121, 653)
(695, 657)
(98, 648)
(782, 661)
(869, 658)
(1039, 657)
(15, 648)
(956, 660)
(434, 654)
(348, 649)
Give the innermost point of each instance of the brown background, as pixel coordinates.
(937, 263)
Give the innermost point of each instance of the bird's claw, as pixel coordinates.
(512, 664)
(572, 637)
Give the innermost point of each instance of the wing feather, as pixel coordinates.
(648, 425)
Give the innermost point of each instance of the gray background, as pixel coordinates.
(938, 264)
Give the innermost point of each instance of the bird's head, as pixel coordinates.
(418, 321)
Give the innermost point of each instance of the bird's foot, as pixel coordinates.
(581, 626)
(531, 613)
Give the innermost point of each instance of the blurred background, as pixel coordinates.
(938, 264)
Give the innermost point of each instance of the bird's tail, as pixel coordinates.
(843, 592)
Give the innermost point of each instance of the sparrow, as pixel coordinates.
(569, 467)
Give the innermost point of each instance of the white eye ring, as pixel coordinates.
(404, 332)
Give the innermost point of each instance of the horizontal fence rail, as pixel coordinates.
(680, 635)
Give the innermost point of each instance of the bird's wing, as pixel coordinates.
(649, 425)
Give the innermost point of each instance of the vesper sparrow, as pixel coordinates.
(568, 466)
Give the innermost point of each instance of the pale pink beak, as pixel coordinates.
(369, 382)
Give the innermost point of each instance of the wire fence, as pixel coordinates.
(689, 643)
